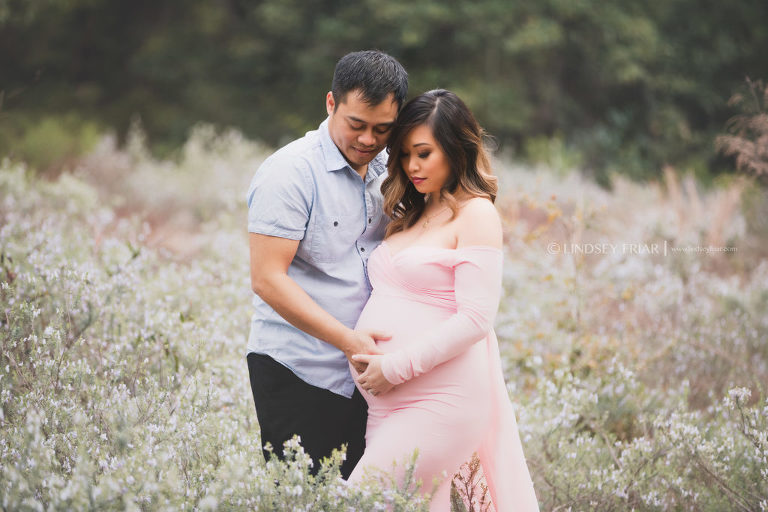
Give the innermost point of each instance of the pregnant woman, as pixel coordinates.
(438, 387)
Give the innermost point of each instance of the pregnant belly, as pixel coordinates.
(455, 384)
(401, 318)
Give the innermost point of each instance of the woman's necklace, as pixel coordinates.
(430, 217)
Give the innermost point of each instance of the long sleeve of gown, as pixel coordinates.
(477, 287)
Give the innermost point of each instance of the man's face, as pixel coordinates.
(358, 129)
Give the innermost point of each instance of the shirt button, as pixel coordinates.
(335, 223)
(362, 249)
(369, 220)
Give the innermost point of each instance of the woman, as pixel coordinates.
(436, 281)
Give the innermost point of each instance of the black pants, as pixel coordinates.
(286, 405)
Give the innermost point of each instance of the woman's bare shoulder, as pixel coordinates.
(478, 223)
(477, 206)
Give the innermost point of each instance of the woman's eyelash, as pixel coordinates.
(424, 155)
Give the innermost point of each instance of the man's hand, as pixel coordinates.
(372, 379)
(363, 342)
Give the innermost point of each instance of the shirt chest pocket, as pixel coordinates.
(333, 236)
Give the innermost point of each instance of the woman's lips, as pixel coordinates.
(417, 181)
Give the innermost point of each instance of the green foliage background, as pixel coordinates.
(625, 86)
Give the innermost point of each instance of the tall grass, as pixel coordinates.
(638, 378)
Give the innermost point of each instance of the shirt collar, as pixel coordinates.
(335, 161)
(378, 165)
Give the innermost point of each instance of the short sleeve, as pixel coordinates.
(280, 199)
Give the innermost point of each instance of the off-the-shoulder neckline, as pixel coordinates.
(437, 248)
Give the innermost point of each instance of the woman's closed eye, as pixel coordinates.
(424, 154)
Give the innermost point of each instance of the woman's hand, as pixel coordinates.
(372, 379)
(362, 342)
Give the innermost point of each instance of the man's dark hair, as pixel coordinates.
(375, 74)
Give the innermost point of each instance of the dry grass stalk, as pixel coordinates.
(747, 137)
(726, 204)
(696, 208)
(469, 488)
(712, 213)
(673, 190)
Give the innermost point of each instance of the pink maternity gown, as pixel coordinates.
(450, 400)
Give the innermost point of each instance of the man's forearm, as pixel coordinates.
(291, 302)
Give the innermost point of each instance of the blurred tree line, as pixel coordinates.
(614, 86)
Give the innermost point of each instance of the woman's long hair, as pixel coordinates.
(460, 137)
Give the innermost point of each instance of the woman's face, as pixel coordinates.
(424, 161)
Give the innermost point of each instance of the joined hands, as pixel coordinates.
(365, 358)
(372, 379)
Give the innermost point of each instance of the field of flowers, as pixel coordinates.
(634, 334)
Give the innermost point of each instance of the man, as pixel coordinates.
(314, 216)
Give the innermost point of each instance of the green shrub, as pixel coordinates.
(47, 143)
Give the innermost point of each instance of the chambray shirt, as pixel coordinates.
(306, 191)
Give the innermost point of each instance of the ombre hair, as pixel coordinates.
(461, 139)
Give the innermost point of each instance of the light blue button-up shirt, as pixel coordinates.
(307, 191)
